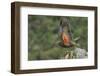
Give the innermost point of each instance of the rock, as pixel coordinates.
(80, 53)
(66, 56)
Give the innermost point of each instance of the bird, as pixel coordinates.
(65, 35)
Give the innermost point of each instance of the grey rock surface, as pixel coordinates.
(80, 53)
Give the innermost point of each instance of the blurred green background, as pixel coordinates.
(43, 35)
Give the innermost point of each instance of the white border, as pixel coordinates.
(25, 64)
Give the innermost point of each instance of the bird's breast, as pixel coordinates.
(66, 39)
